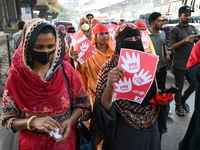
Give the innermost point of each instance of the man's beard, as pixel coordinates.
(185, 21)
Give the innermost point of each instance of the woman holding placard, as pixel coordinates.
(125, 124)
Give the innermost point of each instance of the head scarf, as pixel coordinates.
(99, 28)
(95, 21)
(31, 30)
(124, 31)
(61, 26)
(141, 24)
(194, 56)
(70, 27)
(120, 23)
(88, 33)
(29, 89)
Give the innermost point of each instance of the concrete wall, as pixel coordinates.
(8, 140)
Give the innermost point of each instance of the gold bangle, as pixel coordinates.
(81, 111)
(29, 122)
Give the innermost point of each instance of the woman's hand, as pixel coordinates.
(75, 56)
(66, 125)
(46, 124)
(114, 75)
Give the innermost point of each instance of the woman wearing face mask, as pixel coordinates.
(84, 25)
(38, 90)
(124, 124)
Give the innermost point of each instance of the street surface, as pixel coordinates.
(177, 125)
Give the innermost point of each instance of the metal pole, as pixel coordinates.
(8, 47)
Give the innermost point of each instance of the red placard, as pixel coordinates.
(112, 28)
(70, 35)
(145, 41)
(138, 77)
(82, 46)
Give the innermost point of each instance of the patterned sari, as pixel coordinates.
(26, 94)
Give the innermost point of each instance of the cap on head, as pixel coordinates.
(99, 28)
(185, 9)
(61, 26)
(141, 24)
(95, 21)
(70, 27)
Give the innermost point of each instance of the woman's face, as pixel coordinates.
(63, 31)
(84, 21)
(102, 37)
(45, 43)
(133, 38)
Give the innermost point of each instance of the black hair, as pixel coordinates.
(90, 15)
(20, 24)
(113, 22)
(48, 29)
(153, 16)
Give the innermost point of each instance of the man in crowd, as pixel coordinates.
(158, 38)
(17, 35)
(90, 17)
(182, 42)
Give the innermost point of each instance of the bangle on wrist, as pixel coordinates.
(29, 122)
(81, 111)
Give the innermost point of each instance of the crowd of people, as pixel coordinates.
(48, 89)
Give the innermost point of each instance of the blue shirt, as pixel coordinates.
(16, 37)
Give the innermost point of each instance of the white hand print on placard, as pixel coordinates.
(144, 40)
(141, 78)
(124, 86)
(131, 65)
(84, 47)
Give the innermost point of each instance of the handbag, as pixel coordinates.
(84, 138)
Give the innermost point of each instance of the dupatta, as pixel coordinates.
(27, 92)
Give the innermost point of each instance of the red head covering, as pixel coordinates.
(120, 23)
(141, 24)
(99, 28)
(95, 21)
(70, 27)
(194, 56)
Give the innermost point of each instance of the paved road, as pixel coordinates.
(177, 125)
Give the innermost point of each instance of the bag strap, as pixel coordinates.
(67, 84)
(66, 81)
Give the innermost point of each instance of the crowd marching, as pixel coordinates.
(113, 76)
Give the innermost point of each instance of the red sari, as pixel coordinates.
(26, 94)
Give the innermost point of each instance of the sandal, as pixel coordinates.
(180, 111)
(186, 107)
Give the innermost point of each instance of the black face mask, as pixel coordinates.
(136, 45)
(42, 57)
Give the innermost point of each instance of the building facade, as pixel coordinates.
(122, 9)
